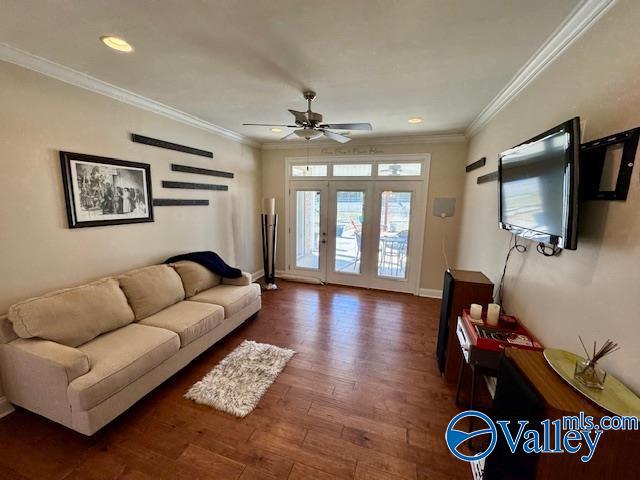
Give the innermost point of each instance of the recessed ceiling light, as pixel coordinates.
(116, 43)
(415, 120)
(276, 130)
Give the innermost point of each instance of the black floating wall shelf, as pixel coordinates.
(475, 165)
(489, 177)
(154, 142)
(193, 186)
(200, 171)
(173, 202)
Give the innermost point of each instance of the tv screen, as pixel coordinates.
(538, 182)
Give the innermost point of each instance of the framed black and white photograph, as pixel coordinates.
(105, 191)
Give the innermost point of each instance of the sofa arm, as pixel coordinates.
(6, 330)
(38, 355)
(245, 279)
(36, 374)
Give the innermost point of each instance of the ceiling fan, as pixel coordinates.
(309, 124)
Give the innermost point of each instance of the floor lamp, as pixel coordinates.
(269, 229)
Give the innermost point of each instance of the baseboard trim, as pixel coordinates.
(260, 273)
(5, 407)
(430, 293)
(257, 275)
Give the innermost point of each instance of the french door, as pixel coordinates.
(350, 208)
(357, 232)
(399, 230)
(308, 228)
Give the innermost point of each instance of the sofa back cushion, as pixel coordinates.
(195, 277)
(73, 316)
(151, 289)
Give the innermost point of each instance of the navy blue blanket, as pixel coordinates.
(209, 260)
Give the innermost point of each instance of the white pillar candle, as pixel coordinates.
(493, 314)
(269, 206)
(476, 311)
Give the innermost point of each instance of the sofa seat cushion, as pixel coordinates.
(151, 289)
(73, 316)
(117, 359)
(195, 277)
(244, 279)
(232, 298)
(190, 320)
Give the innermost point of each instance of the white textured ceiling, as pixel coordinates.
(235, 61)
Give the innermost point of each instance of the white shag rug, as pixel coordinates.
(238, 382)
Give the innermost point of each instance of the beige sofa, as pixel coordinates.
(81, 356)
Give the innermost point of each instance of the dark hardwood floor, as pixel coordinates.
(361, 399)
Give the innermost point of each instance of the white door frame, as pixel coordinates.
(329, 160)
(291, 225)
(416, 237)
(342, 278)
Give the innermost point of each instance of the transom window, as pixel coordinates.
(386, 167)
(309, 170)
(399, 169)
(352, 170)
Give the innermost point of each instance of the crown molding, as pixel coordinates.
(68, 75)
(360, 141)
(581, 18)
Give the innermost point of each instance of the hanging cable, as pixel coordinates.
(548, 250)
(444, 250)
(520, 248)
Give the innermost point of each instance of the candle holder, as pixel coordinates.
(590, 374)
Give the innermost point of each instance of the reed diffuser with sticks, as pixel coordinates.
(588, 372)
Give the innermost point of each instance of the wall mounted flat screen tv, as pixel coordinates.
(538, 186)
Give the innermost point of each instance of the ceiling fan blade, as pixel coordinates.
(336, 136)
(287, 137)
(269, 125)
(301, 117)
(348, 126)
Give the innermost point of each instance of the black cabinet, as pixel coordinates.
(461, 288)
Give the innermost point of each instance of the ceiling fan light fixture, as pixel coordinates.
(308, 133)
(116, 43)
(308, 125)
(415, 120)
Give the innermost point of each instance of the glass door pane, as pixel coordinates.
(348, 241)
(395, 215)
(308, 229)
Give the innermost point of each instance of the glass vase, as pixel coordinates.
(590, 374)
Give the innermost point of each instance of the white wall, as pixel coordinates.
(39, 117)
(445, 180)
(593, 291)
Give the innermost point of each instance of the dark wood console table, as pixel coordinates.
(617, 454)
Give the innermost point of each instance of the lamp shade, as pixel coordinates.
(269, 206)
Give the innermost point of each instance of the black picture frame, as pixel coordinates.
(97, 197)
